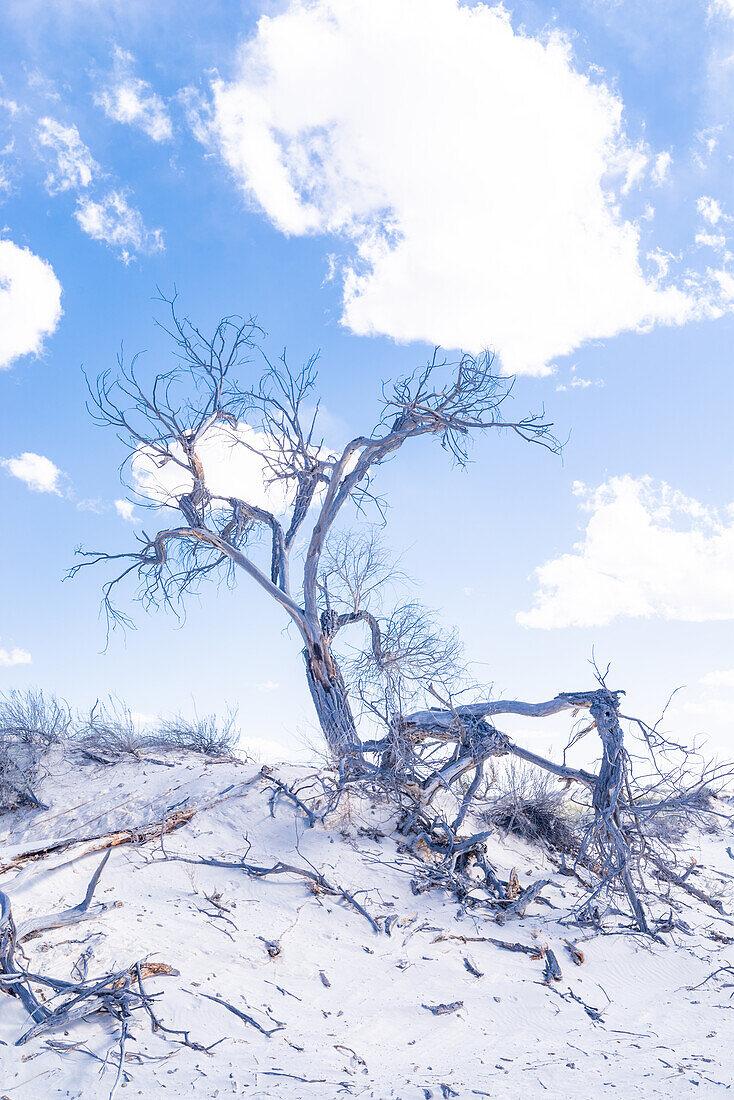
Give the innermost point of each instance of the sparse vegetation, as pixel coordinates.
(532, 805)
(207, 735)
(31, 722)
(111, 730)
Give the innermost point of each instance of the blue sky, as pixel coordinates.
(371, 178)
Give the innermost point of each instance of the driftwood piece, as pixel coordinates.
(174, 818)
(575, 952)
(281, 788)
(83, 911)
(569, 995)
(103, 841)
(113, 994)
(523, 900)
(526, 949)
(668, 875)
(472, 968)
(444, 1009)
(552, 971)
(608, 793)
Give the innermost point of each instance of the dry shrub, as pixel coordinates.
(113, 732)
(672, 815)
(207, 735)
(531, 804)
(30, 724)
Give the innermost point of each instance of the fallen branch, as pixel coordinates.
(280, 868)
(682, 881)
(113, 993)
(103, 841)
(173, 819)
(520, 904)
(283, 789)
(526, 949)
(80, 912)
(241, 1015)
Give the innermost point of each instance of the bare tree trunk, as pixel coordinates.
(607, 793)
(331, 699)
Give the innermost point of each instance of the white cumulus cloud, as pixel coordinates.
(661, 167)
(231, 464)
(128, 99)
(11, 657)
(470, 168)
(722, 7)
(647, 551)
(719, 678)
(116, 223)
(267, 686)
(75, 166)
(30, 302)
(38, 472)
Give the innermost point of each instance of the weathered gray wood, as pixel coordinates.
(552, 971)
(83, 911)
(445, 719)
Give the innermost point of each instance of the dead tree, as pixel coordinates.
(224, 389)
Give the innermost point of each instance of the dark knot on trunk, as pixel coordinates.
(329, 623)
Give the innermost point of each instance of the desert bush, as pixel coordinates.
(19, 772)
(671, 814)
(30, 723)
(34, 717)
(208, 735)
(111, 731)
(532, 805)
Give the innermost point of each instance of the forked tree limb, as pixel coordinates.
(83, 911)
(435, 719)
(280, 868)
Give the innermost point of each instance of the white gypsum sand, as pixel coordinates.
(349, 1012)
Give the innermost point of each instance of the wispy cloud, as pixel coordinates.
(709, 209)
(30, 302)
(720, 678)
(107, 217)
(128, 99)
(126, 510)
(75, 167)
(267, 686)
(661, 167)
(119, 225)
(578, 383)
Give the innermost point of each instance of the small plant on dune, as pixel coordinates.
(111, 730)
(31, 722)
(34, 717)
(208, 735)
(532, 805)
